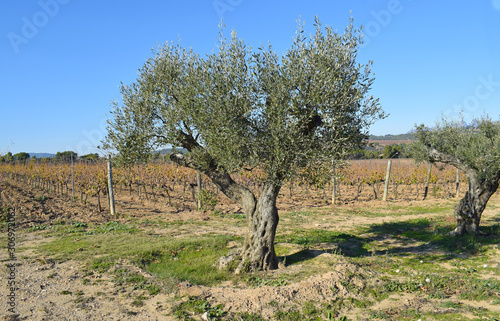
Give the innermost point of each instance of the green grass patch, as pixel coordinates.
(61, 228)
(443, 285)
(101, 265)
(299, 217)
(412, 210)
(115, 227)
(399, 210)
(245, 316)
(291, 315)
(86, 247)
(40, 227)
(191, 259)
(4, 214)
(180, 259)
(195, 305)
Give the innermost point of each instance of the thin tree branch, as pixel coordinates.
(6, 149)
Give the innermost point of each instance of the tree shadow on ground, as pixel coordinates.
(413, 237)
(431, 236)
(316, 242)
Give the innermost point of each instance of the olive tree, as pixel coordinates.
(473, 149)
(241, 108)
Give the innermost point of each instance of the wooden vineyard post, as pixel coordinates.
(110, 187)
(387, 179)
(334, 184)
(429, 170)
(72, 179)
(458, 184)
(139, 181)
(198, 181)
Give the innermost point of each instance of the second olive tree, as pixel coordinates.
(474, 149)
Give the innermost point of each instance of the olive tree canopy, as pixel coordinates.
(473, 149)
(239, 108)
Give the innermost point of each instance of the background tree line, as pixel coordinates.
(59, 156)
(375, 151)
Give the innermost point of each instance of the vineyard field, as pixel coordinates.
(176, 187)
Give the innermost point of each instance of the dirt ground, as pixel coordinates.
(48, 290)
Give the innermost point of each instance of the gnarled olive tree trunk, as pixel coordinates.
(469, 209)
(257, 252)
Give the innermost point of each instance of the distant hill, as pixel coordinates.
(408, 136)
(42, 155)
(382, 141)
(165, 151)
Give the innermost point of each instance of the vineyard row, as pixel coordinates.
(360, 180)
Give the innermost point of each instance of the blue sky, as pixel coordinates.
(62, 61)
